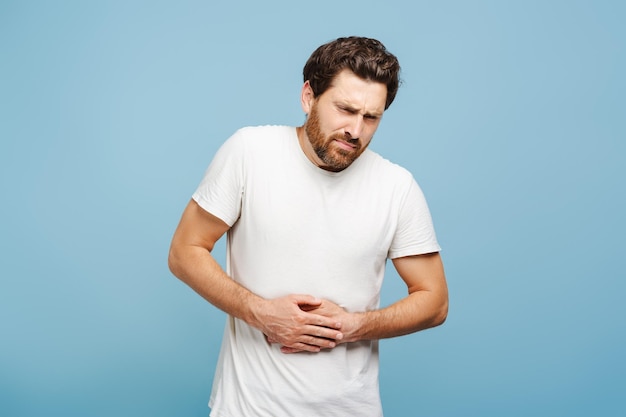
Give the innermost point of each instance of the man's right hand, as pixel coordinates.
(285, 321)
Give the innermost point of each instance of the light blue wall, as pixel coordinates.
(511, 117)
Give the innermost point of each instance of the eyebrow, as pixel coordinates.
(350, 108)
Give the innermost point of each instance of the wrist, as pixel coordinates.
(365, 324)
(354, 327)
(255, 307)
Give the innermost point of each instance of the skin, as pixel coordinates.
(340, 126)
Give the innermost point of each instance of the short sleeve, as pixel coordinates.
(221, 189)
(415, 234)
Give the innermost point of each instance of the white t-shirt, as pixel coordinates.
(298, 229)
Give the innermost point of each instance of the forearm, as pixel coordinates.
(420, 310)
(196, 267)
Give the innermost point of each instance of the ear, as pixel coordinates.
(307, 97)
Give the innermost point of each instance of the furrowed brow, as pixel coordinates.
(373, 115)
(349, 108)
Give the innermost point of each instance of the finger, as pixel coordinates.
(288, 350)
(323, 321)
(320, 342)
(309, 344)
(301, 347)
(306, 300)
(323, 333)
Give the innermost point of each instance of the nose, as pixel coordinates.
(354, 129)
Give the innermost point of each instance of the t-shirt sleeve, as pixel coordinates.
(415, 234)
(221, 189)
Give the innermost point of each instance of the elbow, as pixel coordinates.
(441, 319)
(441, 314)
(441, 311)
(173, 262)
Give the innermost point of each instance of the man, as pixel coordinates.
(311, 216)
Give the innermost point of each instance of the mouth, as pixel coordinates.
(345, 145)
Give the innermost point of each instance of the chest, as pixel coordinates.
(296, 209)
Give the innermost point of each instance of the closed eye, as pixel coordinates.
(347, 110)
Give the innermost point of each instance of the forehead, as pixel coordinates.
(364, 95)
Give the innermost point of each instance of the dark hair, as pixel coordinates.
(365, 57)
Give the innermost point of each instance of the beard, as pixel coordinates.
(335, 158)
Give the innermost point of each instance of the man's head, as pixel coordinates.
(348, 84)
(365, 57)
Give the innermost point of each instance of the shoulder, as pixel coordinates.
(388, 178)
(385, 169)
(257, 146)
(265, 132)
(255, 139)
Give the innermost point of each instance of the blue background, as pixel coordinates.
(511, 117)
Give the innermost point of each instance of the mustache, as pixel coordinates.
(353, 141)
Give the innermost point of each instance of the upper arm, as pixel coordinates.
(423, 273)
(199, 228)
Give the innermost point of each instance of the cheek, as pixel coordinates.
(369, 133)
(334, 120)
(366, 143)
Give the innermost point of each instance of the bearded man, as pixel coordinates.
(311, 216)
